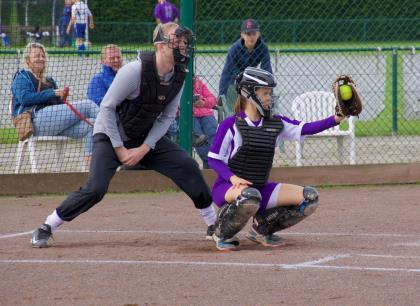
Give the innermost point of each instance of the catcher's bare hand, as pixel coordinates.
(237, 182)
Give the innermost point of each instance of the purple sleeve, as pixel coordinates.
(315, 127)
(220, 168)
(156, 12)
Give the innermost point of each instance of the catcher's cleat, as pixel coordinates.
(41, 236)
(223, 244)
(210, 231)
(271, 240)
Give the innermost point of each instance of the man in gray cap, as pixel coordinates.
(248, 51)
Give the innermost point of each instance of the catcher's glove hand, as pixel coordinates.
(350, 105)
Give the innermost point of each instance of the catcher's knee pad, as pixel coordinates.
(310, 201)
(233, 216)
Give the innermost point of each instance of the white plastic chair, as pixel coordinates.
(315, 105)
(57, 149)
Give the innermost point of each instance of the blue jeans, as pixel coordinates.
(173, 131)
(60, 120)
(206, 125)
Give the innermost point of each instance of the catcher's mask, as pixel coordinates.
(181, 42)
(249, 81)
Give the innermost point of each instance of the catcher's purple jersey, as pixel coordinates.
(228, 139)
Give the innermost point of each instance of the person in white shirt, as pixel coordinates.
(80, 13)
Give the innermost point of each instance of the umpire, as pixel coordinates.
(134, 116)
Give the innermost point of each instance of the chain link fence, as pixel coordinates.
(309, 45)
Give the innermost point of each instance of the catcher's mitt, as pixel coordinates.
(352, 106)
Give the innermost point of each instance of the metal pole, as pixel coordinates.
(87, 29)
(53, 14)
(394, 92)
(26, 12)
(185, 119)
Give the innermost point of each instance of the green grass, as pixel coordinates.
(8, 136)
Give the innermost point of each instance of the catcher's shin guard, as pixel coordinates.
(233, 216)
(281, 217)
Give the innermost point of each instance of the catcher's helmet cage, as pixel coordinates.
(180, 32)
(249, 80)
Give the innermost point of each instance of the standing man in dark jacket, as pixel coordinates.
(134, 116)
(248, 51)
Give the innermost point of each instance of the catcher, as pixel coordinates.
(242, 155)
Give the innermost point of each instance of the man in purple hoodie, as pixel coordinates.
(166, 11)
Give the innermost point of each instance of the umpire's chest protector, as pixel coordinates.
(138, 115)
(254, 159)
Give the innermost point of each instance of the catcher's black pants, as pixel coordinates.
(167, 158)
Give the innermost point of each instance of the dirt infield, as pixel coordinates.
(361, 247)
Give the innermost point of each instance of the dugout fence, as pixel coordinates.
(308, 49)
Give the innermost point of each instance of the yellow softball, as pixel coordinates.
(345, 92)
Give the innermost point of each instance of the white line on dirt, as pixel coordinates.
(410, 244)
(15, 235)
(384, 235)
(206, 264)
(322, 260)
(387, 256)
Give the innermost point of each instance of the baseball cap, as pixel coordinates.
(250, 25)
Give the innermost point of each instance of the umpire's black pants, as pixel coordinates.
(167, 158)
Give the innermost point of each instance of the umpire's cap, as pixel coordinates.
(250, 25)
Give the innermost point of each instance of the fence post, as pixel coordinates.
(185, 118)
(394, 91)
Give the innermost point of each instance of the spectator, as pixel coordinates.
(33, 90)
(204, 122)
(166, 11)
(111, 60)
(248, 51)
(65, 39)
(4, 38)
(80, 13)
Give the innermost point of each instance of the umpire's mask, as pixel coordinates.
(181, 42)
(249, 81)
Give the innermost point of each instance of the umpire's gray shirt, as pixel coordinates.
(126, 85)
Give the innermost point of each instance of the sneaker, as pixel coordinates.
(40, 236)
(210, 232)
(223, 245)
(199, 139)
(209, 236)
(271, 240)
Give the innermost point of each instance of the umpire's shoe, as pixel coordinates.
(40, 236)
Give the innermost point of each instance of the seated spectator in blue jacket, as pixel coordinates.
(111, 60)
(248, 51)
(33, 90)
